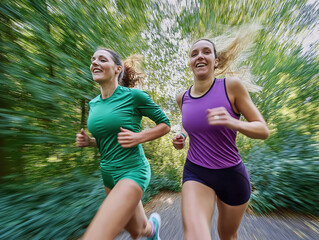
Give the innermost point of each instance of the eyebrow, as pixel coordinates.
(204, 48)
(99, 56)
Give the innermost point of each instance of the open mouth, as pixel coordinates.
(199, 65)
(97, 71)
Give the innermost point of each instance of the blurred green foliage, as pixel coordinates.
(50, 188)
(285, 178)
(60, 208)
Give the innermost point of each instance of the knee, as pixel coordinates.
(194, 230)
(227, 236)
(134, 235)
(138, 231)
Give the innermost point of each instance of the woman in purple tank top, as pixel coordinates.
(214, 171)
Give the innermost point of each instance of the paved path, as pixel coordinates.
(253, 227)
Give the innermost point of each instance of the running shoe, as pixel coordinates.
(155, 219)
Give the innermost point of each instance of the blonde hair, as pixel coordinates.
(132, 72)
(234, 49)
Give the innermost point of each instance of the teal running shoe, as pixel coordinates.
(155, 219)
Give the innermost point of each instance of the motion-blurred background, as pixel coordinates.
(50, 189)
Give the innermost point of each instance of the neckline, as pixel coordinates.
(105, 99)
(189, 91)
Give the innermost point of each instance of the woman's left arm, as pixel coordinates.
(255, 127)
(127, 138)
(145, 106)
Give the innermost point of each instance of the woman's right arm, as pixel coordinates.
(179, 139)
(83, 140)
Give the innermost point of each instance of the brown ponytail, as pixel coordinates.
(133, 73)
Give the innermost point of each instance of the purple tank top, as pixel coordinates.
(212, 147)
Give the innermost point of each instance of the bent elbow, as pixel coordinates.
(262, 135)
(167, 129)
(265, 134)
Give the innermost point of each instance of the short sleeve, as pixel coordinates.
(147, 107)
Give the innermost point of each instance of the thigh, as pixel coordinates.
(229, 219)
(198, 203)
(107, 190)
(232, 185)
(140, 174)
(116, 210)
(138, 221)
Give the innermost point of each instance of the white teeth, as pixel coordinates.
(200, 65)
(96, 71)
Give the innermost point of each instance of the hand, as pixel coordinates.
(127, 138)
(179, 141)
(82, 139)
(221, 117)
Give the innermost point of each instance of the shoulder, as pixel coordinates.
(96, 99)
(124, 89)
(140, 97)
(234, 84)
(134, 92)
(233, 81)
(138, 93)
(179, 98)
(180, 95)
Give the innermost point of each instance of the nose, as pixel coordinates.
(200, 55)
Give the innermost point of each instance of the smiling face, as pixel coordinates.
(202, 59)
(103, 67)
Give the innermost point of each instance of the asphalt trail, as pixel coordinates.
(253, 227)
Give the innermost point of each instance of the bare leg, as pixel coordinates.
(198, 204)
(138, 225)
(116, 211)
(229, 219)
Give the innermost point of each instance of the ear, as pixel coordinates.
(216, 63)
(119, 69)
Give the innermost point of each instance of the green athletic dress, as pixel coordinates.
(124, 108)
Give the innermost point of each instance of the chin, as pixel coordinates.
(97, 77)
(97, 80)
(201, 75)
